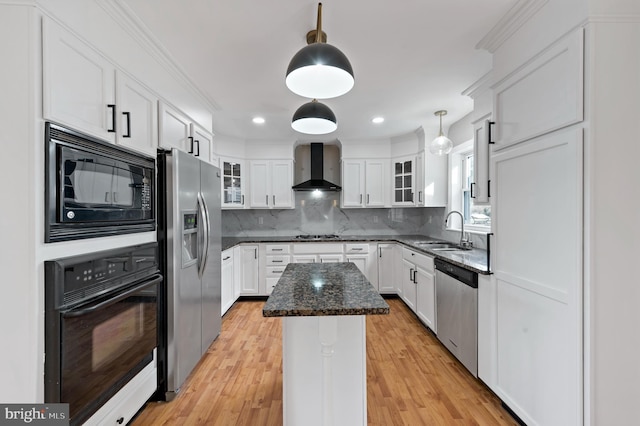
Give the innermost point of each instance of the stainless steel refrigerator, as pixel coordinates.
(189, 229)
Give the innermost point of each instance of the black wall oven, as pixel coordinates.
(94, 188)
(101, 324)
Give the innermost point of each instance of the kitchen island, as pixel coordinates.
(323, 306)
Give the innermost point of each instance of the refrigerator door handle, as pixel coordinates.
(202, 207)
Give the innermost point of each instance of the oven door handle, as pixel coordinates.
(156, 279)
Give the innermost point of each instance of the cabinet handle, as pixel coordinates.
(276, 261)
(411, 274)
(380, 251)
(489, 188)
(274, 200)
(106, 197)
(356, 249)
(414, 276)
(255, 253)
(360, 198)
(419, 196)
(128, 115)
(120, 420)
(491, 141)
(368, 198)
(226, 258)
(278, 272)
(197, 142)
(276, 249)
(243, 200)
(267, 199)
(190, 144)
(471, 189)
(113, 118)
(489, 235)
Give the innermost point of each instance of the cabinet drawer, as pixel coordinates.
(278, 260)
(317, 248)
(275, 271)
(356, 248)
(278, 248)
(418, 259)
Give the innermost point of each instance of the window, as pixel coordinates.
(461, 166)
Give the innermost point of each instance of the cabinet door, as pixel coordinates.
(480, 185)
(330, 258)
(426, 298)
(175, 129)
(281, 183)
(78, 84)
(304, 258)
(249, 284)
(137, 115)
(203, 144)
(403, 181)
(408, 285)
(232, 183)
(353, 183)
(361, 261)
(375, 180)
(259, 185)
(227, 292)
(386, 270)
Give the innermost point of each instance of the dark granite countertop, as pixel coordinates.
(316, 289)
(474, 260)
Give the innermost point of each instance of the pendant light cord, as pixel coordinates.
(319, 24)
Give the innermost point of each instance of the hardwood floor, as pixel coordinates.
(411, 378)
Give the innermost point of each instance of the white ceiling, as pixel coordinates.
(410, 58)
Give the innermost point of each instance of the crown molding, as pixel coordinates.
(133, 25)
(480, 85)
(511, 22)
(614, 19)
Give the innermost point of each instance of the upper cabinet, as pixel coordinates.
(552, 85)
(179, 131)
(431, 180)
(232, 181)
(137, 112)
(78, 84)
(365, 183)
(404, 181)
(270, 183)
(481, 139)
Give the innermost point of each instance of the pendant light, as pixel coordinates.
(441, 145)
(319, 70)
(314, 118)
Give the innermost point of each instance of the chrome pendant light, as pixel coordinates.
(314, 118)
(319, 70)
(441, 145)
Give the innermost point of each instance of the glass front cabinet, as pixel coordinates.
(404, 181)
(232, 183)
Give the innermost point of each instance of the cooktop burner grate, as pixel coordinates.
(317, 237)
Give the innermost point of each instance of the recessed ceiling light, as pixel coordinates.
(258, 120)
(377, 120)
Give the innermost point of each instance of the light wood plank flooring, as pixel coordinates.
(411, 378)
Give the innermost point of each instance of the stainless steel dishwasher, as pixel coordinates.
(457, 312)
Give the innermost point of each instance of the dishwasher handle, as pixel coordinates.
(459, 273)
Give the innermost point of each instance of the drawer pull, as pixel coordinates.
(226, 258)
(277, 249)
(357, 249)
(276, 261)
(278, 272)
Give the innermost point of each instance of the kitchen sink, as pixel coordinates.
(439, 246)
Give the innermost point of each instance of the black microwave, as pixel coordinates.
(94, 188)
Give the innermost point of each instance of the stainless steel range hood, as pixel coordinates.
(317, 180)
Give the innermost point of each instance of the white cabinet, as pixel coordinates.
(78, 84)
(137, 112)
(431, 180)
(365, 183)
(317, 252)
(277, 257)
(386, 268)
(248, 279)
(232, 183)
(270, 184)
(487, 330)
(418, 288)
(179, 131)
(227, 295)
(404, 181)
(481, 137)
(364, 256)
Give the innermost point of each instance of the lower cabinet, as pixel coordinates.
(418, 286)
(248, 271)
(386, 268)
(364, 256)
(277, 257)
(227, 292)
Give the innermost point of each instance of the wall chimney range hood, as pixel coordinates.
(317, 175)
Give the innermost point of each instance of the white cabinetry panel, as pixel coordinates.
(545, 94)
(137, 123)
(270, 184)
(538, 277)
(352, 183)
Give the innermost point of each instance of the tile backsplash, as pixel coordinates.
(323, 215)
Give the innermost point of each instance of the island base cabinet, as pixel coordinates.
(324, 370)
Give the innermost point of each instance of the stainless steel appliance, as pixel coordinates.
(101, 313)
(189, 225)
(95, 189)
(457, 312)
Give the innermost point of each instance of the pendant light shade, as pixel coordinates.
(319, 70)
(314, 118)
(441, 145)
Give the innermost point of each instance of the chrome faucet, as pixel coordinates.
(465, 243)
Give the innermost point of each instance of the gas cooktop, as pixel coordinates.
(317, 237)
